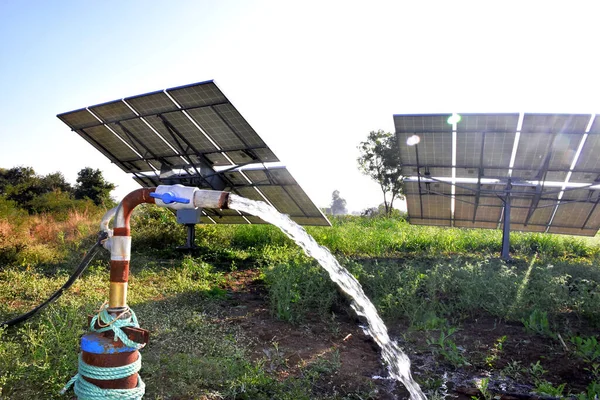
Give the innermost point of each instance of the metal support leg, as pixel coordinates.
(191, 236)
(506, 229)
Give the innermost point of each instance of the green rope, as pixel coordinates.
(115, 325)
(88, 391)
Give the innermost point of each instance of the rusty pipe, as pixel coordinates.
(120, 243)
(211, 199)
(120, 247)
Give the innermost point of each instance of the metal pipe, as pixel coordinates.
(505, 252)
(106, 220)
(120, 248)
(211, 199)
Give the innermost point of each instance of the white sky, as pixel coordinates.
(312, 77)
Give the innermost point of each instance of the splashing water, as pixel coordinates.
(397, 361)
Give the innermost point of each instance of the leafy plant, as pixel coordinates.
(537, 323)
(482, 385)
(587, 349)
(592, 392)
(495, 351)
(513, 370)
(536, 371)
(545, 387)
(447, 348)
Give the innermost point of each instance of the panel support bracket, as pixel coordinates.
(505, 253)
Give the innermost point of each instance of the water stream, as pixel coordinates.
(396, 359)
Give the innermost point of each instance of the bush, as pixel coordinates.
(155, 227)
(298, 288)
(59, 204)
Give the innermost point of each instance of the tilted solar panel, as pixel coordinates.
(524, 159)
(193, 135)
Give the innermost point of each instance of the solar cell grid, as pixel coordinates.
(112, 111)
(303, 201)
(533, 148)
(422, 123)
(468, 149)
(595, 128)
(435, 149)
(594, 220)
(183, 126)
(430, 222)
(527, 228)
(572, 215)
(498, 149)
(151, 104)
(239, 125)
(476, 224)
(152, 141)
(281, 200)
(542, 214)
(214, 126)
(555, 123)
(79, 119)
(564, 148)
(215, 159)
(488, 123)
(572, 231)
(588, 159)
(581, 194)
(197, 95)
(110, 142)
(282, 176)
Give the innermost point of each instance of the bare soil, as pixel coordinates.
(288, 348)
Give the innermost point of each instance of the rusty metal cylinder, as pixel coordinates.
(100, 350)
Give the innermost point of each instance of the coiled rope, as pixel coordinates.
(88, 391)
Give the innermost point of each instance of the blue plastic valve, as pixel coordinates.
(169, 197)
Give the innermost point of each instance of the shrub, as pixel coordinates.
(299, 288)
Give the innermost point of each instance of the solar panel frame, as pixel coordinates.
(545, 152)
(191, 127)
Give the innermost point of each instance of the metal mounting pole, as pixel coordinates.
(191, 237)
(189, 218)
(505, 255)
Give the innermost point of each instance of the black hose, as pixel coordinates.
(76, 274)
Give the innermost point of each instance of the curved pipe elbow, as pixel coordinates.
(126, 206)
(108, 216)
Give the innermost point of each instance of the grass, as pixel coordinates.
(424, 278)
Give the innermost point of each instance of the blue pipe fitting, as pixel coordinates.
(97, 343)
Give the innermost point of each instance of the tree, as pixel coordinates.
(92, 185)
(380, 160)
(20, 184)
(338, 205)
(55, 182)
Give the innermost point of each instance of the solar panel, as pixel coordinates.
(193, 135)
(542, 149)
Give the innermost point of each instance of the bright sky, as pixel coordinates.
(312, 77)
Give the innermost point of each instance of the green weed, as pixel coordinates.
(482, 385)
(298, 288)
(495, 352)
(537, 323)
(548, 389)
(587, 348)
(592, 392)
(446, 347)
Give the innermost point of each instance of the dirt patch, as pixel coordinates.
(350, 361)
(346, 356)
